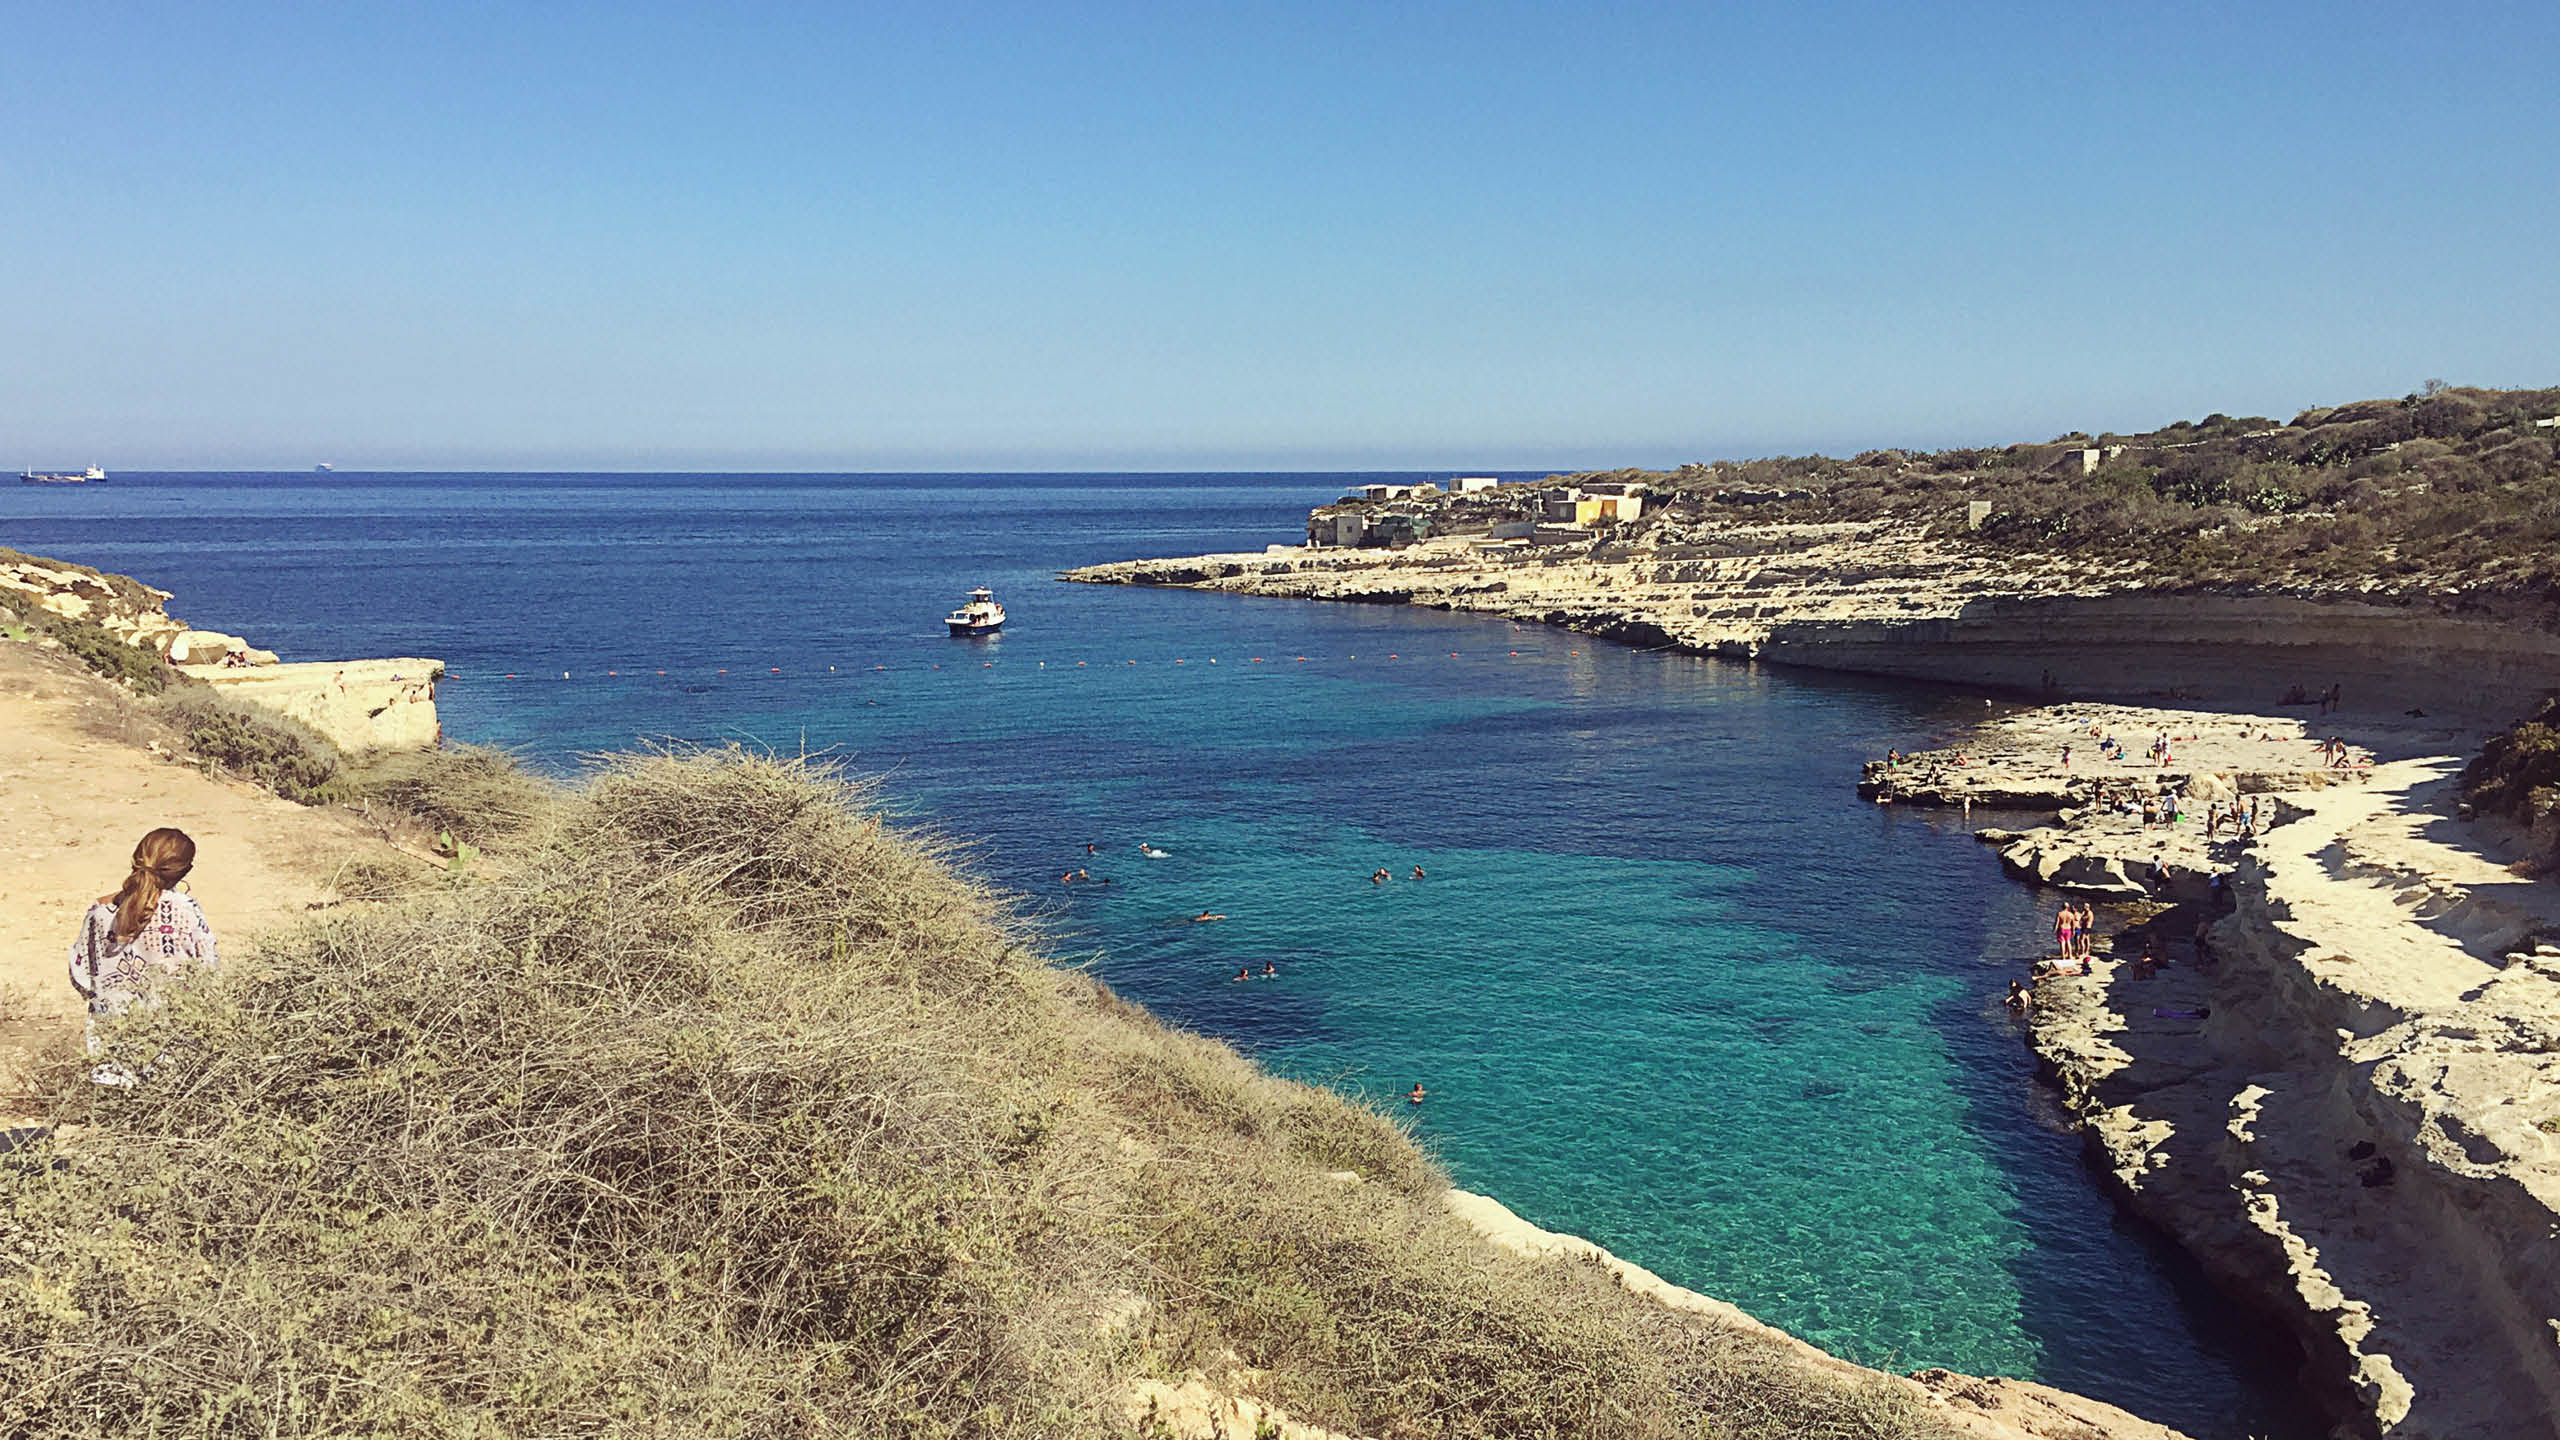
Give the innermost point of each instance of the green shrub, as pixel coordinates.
(257, 745)
(105, 652)
(2517, 777)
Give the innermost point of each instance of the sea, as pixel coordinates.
(1667, 981)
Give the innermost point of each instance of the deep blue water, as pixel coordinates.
(1670, 984)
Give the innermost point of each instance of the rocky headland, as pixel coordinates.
(1891, 598)
(360, 706)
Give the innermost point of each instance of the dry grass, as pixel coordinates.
(475, 793)
(719, 1109)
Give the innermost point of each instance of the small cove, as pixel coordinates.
(1671, 985)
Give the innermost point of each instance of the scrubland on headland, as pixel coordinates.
(2400, 549)
(694, 1099)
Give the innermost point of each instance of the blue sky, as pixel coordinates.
(1102, 235)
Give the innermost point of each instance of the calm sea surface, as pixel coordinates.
(1670, 984)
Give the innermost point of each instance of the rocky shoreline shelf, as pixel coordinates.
(2338, 1088)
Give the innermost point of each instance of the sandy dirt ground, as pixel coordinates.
(74, 798)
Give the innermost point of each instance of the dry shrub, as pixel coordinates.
(721, 1110)
(474, 793)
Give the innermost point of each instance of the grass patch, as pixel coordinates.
(723, 1109)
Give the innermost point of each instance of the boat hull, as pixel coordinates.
(975, 627)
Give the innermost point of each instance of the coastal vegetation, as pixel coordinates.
(713, 1105)
(102, 650)
(2447, 488)
(2516, 777)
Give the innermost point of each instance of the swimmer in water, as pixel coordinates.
(1417, 872)
(1205, 917)
(1241, 974)
(1088, 847)
(1414, 1095)
(1379, 876)
(1269, 969)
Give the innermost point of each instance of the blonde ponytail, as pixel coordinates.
(162, 860)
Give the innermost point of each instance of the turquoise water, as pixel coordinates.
(1669, 983)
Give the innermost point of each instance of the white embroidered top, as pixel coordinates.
(113, 974)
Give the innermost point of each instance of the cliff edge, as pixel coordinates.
(122, 628)
(1888, 598)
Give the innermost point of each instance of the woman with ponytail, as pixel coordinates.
(144, 927)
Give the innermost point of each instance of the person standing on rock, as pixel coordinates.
(2087, 929)
(2066, 927)
(144, 931)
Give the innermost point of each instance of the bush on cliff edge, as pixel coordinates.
(2517, 777)
(722, 1110)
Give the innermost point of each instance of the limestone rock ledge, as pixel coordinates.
(2348, 1108)
(1889, 600)
(358, 705)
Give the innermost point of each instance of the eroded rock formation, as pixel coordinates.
(1887, 600)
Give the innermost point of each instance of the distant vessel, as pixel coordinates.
(89, 476)
(981, 616)
(323, 467)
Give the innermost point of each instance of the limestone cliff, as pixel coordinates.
(1889, 600)
(358, 705)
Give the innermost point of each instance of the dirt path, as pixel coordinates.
(73, 800)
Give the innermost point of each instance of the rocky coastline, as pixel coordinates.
(2337, 1084)
(2349, 1110)
(1890, 599)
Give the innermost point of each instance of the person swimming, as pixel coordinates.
(1414, 1096)
(1269, 970)
(1380, 876)
(1152, 852)
(1205, 917)
(1241, 974)
(1417, 872)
